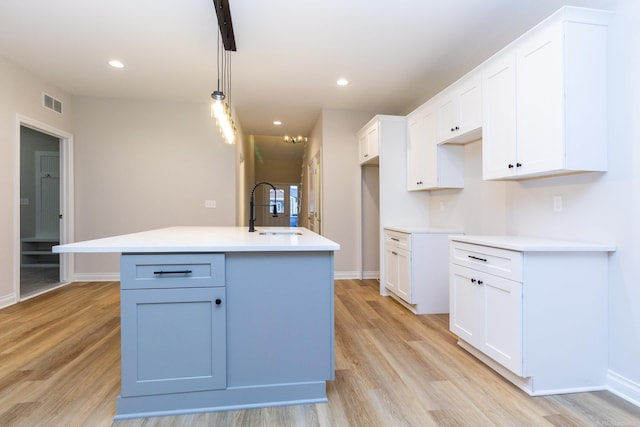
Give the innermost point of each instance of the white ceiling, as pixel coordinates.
(395, 53)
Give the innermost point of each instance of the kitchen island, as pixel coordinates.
(217, 318)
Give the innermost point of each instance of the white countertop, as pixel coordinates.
(206, 239)
(426, 230)
(523, 243)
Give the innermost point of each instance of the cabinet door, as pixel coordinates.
(368, 144)
(372, 142)
(499, 118)
(459, 111)
(447, 116)
(421, 149)
(391, 269)
(540, 103)
(503, 321)
(470, 104)
(363, 146)
(465, 305)
(403, 289)
(173, 340)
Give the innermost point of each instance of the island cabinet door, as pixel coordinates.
(173, 340)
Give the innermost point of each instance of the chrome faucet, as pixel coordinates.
(274, 212)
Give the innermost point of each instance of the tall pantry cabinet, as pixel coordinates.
(396, 206)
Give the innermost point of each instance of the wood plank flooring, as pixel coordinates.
(60, 366)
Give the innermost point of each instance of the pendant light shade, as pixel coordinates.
(220, 104)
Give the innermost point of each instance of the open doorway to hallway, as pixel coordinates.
(39, 211)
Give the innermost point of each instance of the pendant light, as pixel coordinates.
(221, 104)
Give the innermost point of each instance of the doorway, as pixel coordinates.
(45, 196)
(287, 206)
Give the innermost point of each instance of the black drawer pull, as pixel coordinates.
(479, 259)
(173, 272)
(395, 239)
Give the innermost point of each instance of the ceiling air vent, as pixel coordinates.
(51, 103)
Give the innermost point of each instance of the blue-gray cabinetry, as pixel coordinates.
(269, 341)
(173, 323)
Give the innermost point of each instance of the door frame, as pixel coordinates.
(67, 231)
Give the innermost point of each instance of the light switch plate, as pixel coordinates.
(210, 204)
(557, 203)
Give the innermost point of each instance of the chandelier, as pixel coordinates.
(294, 139)
(221, 103)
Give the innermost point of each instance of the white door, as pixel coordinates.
(47, 194)
(404, 275)
(540, 103)
(503, 321)
(499, 118)
(465, 305)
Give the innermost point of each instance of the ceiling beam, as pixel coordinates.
(224, 23)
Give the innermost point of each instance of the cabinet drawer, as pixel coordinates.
(397, 239)
(171, 271)
(500, 262)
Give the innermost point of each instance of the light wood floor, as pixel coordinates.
(60, 366)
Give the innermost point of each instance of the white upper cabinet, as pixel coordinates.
(544, 99)
(369, 144)
(431, 166)
(459, 111)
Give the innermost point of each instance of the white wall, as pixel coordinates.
(21, 94)
(341, 186)
(145, 165)
(598, 207)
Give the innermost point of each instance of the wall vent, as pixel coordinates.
(51, 103)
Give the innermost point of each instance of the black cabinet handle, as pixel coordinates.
(510, 166)
(173, 272)
(218, 301)
(480, 282)
(395, 239)
(473, 280)
(394, 253)
(477, 258)
(518, 165)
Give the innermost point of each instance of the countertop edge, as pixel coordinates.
(533, 244)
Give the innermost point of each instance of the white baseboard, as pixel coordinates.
(623, 387)
(96, 277)
(343, 275)
(8, 300)
(370, 274)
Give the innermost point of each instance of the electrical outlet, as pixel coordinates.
(210, 204)
(557, 203)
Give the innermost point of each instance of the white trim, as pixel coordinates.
(623, 387)
(344, 275)
(96, 277)
(66, 195)
(371, 275)
(8, 300)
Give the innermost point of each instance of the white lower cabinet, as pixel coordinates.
(535, 310)
(486, 311)
(415, 271)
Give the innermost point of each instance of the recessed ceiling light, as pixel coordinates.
(116, 64)
(342, 82)
(277, 122)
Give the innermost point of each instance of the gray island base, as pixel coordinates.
(223, 326)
